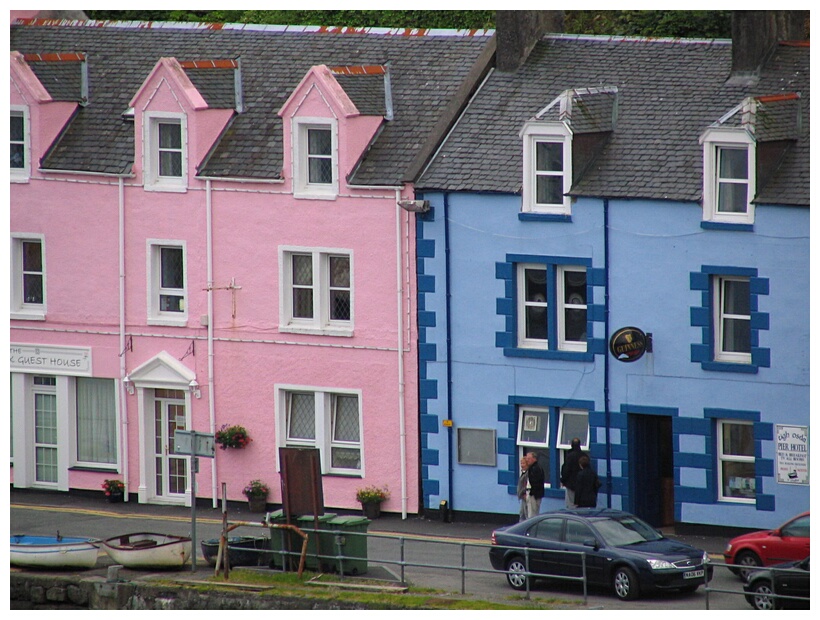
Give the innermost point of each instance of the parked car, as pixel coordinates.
(788, 542)
(621, 552)
(793, 582)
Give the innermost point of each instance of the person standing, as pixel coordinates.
(536, 477)
(523, 490)
(586, 484)
(570, 469)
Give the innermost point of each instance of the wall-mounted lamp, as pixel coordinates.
(415, 206)
(129, 385)
(193, 387)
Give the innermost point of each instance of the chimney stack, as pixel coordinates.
(755, 35)
(517, 32)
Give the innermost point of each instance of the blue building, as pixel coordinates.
(602, 183)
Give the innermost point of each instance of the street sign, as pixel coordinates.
(202, 443)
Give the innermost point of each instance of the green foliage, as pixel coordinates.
(695, 24)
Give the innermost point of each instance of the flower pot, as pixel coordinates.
(257, 504)
(115, 497)
(371, 510)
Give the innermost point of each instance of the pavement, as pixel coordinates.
(426, 526)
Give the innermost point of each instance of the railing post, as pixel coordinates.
(463, 568)
(527, 576)
(401, 557)
(584, 575)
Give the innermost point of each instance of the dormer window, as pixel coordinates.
(728, 176)
(315, 157)
(164, 152)
(547, 168)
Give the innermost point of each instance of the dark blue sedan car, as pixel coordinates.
(618, 550)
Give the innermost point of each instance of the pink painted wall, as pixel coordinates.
(78, 214)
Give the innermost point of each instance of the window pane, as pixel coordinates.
(16, 132)
(170, 164)
(302, 269)
(320, 170)
(738, 439)
(340, 305)
(577, 533)
(736, 297)
(732, 197)
(345, 458)
(535, 283)
(346, 424)
(476, 446)
(574, 425)
(18, 156)
(96, 420)
(319, 141)
(549, 156)
(171, 268)
(340, 271)
(536, 325)
(738, 479)
(737, 336)
(733, 163)
(549, 529)
(32, 256)
(32, 289)
(549, 190)
(303, 303)
(302, 419)
(170, 136)
(534, 425)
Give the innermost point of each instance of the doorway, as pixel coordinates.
(170, 469)
(651, 470)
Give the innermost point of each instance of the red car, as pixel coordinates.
(788, 542)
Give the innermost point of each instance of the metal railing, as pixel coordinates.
(734, 568)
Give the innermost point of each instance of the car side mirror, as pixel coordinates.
(591, 542)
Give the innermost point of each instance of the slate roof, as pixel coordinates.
(426, 68)
(61, 77)
(669, 92)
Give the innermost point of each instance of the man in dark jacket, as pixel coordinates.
(537, 480)
(586, 484)
(570, 469)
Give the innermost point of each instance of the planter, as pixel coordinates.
(257, 504)
(372, 510)
(114, 497)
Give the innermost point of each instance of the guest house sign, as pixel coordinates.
(50, 360)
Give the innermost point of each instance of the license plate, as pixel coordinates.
(694, 574)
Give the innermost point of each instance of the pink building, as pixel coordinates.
(207, 229)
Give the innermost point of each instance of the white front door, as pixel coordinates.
(170, 469)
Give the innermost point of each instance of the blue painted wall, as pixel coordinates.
(659, 257)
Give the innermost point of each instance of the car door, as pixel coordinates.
(544, 540)
(581, 554)
(791, 542)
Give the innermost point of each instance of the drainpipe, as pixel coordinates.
(606, 357)
(210, 275)
(446, 216)
(123, 369)
(402, 413)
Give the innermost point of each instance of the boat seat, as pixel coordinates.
(144, 544)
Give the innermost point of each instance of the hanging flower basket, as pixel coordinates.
(232, 437)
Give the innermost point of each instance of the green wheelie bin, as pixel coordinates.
(350, 544)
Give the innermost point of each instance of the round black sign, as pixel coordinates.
(628, 344)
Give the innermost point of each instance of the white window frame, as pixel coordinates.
(719, 314)
(525, 342)
(733, 458)
(324, 411)
(562, 306)
(521, 443)
(566, 445)
(320, 323)
(302, 188)
(532, 134)
(73, 418)
(154, 273)
(713, 140)
(20, 309)
(152, 180)
(22, 175)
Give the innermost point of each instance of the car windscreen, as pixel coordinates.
(622, 531)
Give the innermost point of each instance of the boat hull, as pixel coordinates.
(149, 550)
(53, 552)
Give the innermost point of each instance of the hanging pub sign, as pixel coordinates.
(628, 344)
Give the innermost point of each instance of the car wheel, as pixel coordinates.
(761, 597)
(516, 573)
(625, 583)
(747, 558)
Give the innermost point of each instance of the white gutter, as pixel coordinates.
(400, 300)
(210, 267)
(123, 369)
